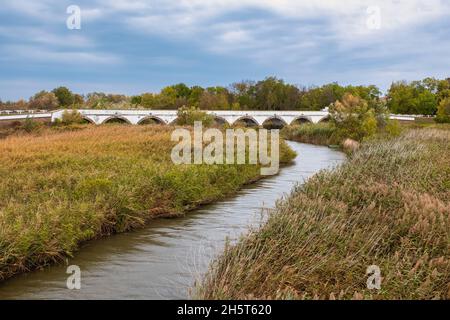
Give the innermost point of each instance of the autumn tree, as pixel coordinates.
(353, 118)
(212, 100)
(44, 100)
(244, 93)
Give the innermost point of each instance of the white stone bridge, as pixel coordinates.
(134, 116)
(221, 116)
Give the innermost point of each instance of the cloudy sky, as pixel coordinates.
(140, 46)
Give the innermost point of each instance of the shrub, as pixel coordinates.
(393, 128)
(188, 115)
(31, 125)
(71, 117)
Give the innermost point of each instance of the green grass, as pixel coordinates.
(389, 206)
(63, 186)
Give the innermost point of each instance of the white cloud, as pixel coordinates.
(296, 38)
(41, 10)
(202, 21)
(41, 54)
(211, 24)
(235, 36)
(44, 37)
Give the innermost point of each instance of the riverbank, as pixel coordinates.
(388, 206)
(59, 189)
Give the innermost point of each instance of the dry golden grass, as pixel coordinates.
(389, 206)
(60, 189)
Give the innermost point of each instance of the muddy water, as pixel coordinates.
(163, 260)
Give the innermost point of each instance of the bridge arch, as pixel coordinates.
(116, 119)
(149, 119)
(220, 120)
(301, 120)
(174, 122)
(274, 121)
(87, 119)
(325, 119)
(248, 120)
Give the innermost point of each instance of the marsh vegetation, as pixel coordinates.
(65, 185)
(389, 206)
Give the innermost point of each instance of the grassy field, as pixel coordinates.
(58, 189)
(389, 206)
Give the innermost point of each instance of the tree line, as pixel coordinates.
(418, 97)
(425, 97)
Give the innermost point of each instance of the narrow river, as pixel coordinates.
(163, 260)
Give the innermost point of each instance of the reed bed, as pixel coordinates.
(319, 134)
(388, 206)
(59, 188)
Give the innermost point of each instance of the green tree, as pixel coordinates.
(401, 98)
(426, 103)
(443, 113)
(211, 100)
(274, 94)
(182, 90)
(317, 98)
(312, 99)
(64, 95)
(370, 93)
(169, 99)
(136, 100)
(195, 94)
(443, 90)
(417, 97)
(244, 93)
(148, 100)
